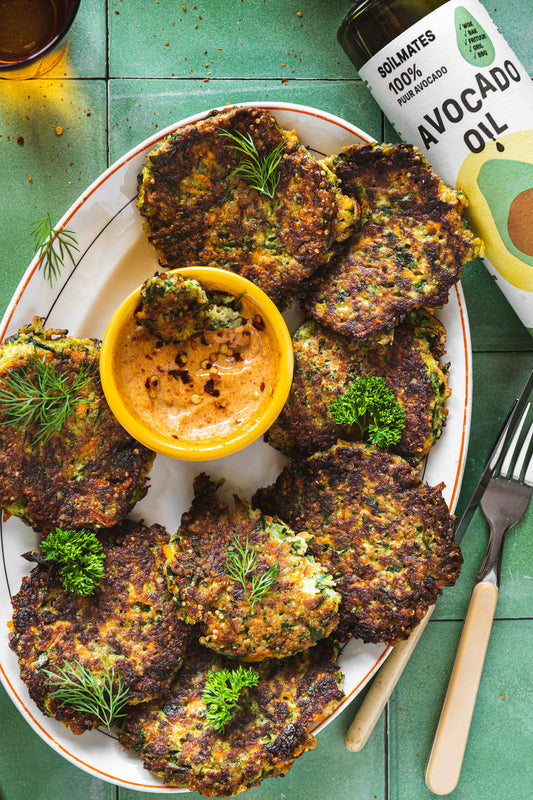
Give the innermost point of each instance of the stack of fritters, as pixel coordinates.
(410, 249)
(326, 363)
(88, 474)
(384, 535)
(266, 733)
(198, 210)
(129, 624)
(299, 608)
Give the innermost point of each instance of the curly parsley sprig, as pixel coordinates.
(102, 694)
(81, 557)
(370, 404)
(259, 171)
(53, 245)
(241, 565)
(222, 690)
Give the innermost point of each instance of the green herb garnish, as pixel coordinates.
(259, 171)
(53, 245)
(222, 690)
(241, 564)
(103, 694)
(40, 396)
(82, 558)
(370, 404)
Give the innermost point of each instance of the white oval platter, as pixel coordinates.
(114, 258)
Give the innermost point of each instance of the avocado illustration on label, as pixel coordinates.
(499, 185)
(473, 41)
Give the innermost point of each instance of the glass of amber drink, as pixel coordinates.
(34, 36)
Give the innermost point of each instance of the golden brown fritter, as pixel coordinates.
(300, 606)
(266, 733)
(198, 211)
(129, 623)
(88, 474)
(384, 535)
(326, 363)
(412, 245)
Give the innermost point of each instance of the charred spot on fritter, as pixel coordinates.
(266, 733)
(217, 563)
(325, 365)
(384, 535)
(128, 624)
(90, 472)
(410, 249)
(198, 210)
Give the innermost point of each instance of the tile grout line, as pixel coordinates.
(386, 757)
(190, 79)
(496, 619)
(107, 84)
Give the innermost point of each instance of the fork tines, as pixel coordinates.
(522, 469)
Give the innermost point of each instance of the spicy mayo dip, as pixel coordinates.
(204, 388)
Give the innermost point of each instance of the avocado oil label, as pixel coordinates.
(451, 85)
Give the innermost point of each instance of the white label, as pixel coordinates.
(451, 85)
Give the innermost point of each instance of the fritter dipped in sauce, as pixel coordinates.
(195, 364)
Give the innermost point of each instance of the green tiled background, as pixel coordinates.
(134, 67)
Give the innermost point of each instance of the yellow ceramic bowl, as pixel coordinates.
(251, 428)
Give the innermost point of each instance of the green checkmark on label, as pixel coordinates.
(473, 41)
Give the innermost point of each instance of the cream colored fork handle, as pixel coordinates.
(445, 761)
(382, 687)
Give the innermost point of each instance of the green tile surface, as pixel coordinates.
(271, 38)
(135, 67)
(87, 54)
(52, 145)
(29, 768)
(502, 727)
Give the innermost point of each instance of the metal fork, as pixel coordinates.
(504, 503)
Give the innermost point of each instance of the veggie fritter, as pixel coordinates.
(175, 308)
(90, 472)
(384, 535)
(325, 364)
(411, 248)
(129, 624)
(198, 210)
(296, 607)
(264, 736)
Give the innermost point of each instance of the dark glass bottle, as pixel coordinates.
(371, 24)
(451, 85)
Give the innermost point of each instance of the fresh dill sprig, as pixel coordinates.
(241, 565)
(259, 171)
(103, 694)
(370, 404)
(81, 557)
(53, 245)
(222, 690)
(40, 396)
